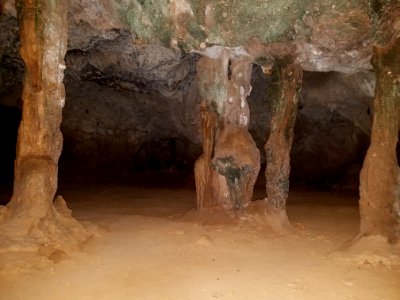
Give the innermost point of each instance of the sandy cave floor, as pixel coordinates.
(156, 246)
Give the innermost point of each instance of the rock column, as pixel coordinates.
(227, 170)
(288, 80)
(380, 175)
(31, 220)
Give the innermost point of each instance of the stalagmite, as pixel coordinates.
(227, 170)
(286, 96)
(380, 175)
(30, 221)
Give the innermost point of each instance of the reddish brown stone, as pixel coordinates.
(227, 170)
(31, 220)
(279, 143)
(380, 175)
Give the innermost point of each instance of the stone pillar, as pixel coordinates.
(380, 175)
(43, 31)
(288, 80)
(227, 170)
(31, 219)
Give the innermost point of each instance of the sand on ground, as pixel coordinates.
(156, 246)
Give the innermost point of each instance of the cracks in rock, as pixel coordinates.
(123, 66)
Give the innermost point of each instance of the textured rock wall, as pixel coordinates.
(126, 131)
(325, 35)
(107, 125)
(131, 108)
(335, 115)
(131, 104)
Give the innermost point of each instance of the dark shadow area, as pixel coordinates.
(122, 137)
(122, 128)
(9, 122)
(398, 149)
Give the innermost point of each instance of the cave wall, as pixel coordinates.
(332, 129)
(109, 125)
(125, 131)
(131, 108)
(131, 105)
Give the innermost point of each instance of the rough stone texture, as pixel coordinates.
(335, 116)
(380, 175)
(129, 105)
(11, 71)
(31, 221)
(128, 128)
(107, 69)
(117, 132)
(326, 35)
(339, 39)
(228, 149)
(124, 66)
(286, 96)
(109, 50)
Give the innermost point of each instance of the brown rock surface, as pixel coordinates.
(31, 221)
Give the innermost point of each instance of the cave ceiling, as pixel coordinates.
(323, 35)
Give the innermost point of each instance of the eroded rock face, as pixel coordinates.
(335, 116)
(111, 122)
(125, 131)
(11, 71)
(227, 170)
(325, 35)
(31, 220)
(134, 103)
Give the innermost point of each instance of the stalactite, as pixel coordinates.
(227, 170)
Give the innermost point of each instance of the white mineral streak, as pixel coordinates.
(242, 97)
(208, 9)
(352, 54)
(243, 120)
(215, 52)
(312, 58)
(238, 52)
(181, 7)
(366, 83)
(62, 101)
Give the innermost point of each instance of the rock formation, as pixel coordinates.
(380, 175)
(138, 70)
(31, 221)
(289, 80)
(227, 170)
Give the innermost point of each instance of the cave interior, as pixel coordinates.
(214, 123)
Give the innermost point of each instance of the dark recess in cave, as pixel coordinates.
(327, 153)
(118, 124)
(9, 122)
